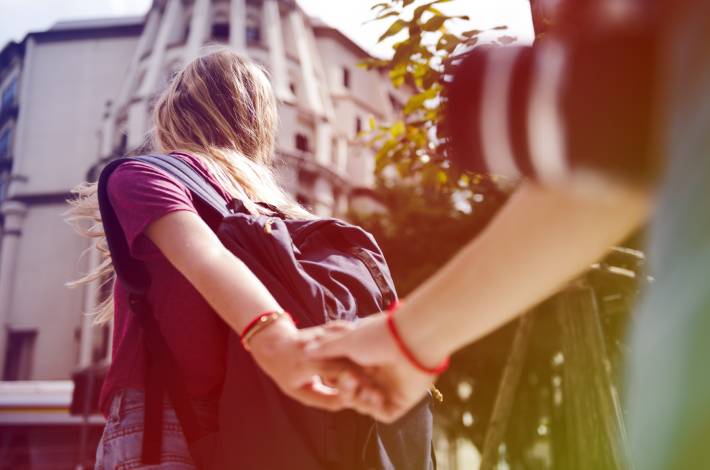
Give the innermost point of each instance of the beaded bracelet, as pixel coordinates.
(406, 351)
(261, 322)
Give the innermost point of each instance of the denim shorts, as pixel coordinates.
(121, 444)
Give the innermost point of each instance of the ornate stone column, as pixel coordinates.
(138, 112)
(150, 30)
(308, 73)
(238, 25)
(199, 28)
(271, 25)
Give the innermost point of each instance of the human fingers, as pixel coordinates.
(317, 395)
(350, 380)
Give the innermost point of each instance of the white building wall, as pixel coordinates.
(48, 257)
(69, 83)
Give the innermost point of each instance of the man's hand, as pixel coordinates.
(279, 351)
(369, 344)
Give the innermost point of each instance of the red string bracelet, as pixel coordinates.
(406, 351)
(260, 318)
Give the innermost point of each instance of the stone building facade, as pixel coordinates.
(80, 94)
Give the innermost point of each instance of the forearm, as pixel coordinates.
(230, 288)
(540, 240)
(227, 284)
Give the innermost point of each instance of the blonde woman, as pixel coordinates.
(218, 115)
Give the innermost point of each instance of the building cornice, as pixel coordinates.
(123, 30)
(29, 200)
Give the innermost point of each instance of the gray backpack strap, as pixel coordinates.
(194, 181)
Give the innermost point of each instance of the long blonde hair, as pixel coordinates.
(221, 109)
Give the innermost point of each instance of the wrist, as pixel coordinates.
(269, 332)
(420, 348)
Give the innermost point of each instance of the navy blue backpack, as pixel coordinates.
(318, 270)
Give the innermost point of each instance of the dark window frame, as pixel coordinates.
(19, 354)
(347, 78)
(220, 31)
(302, 142)
(5, 142)
(253, 34)
(9, 94)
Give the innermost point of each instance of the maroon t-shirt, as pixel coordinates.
(141, 194)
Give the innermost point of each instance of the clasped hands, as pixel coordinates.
(342, 365)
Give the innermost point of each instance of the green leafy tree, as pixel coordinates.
(413, 144)
(433, 211)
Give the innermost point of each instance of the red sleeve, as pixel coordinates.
(140, 195)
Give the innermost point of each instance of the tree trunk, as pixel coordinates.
(595, 436)
(506, 393)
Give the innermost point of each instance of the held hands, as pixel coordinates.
(342, 365)
(388, 385)
(279, 351)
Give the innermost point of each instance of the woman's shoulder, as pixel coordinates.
(135, 176)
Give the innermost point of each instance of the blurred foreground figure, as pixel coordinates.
(609, 113)
(620, 90)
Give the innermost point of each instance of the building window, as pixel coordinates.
(302, 143)
(5, 144)
(4, 177)
(220, 32)
(358, 125)
(19, 354)
(9, 94)
(122, 146)
(304, 201)
(253, 34)
(306, 178)
(346, 77)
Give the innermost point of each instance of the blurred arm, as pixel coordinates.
(541, 239)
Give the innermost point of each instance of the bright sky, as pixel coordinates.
(17, 17)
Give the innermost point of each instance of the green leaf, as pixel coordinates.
(471, 33)
(379, 5)
(397, 75)
(369, 64)
(419, 11)
(383, 15)
(402, 52)
(431, 77)
(434, 23)
(397, 129)
(394, 28)
(417, 101)
(442, 176)
(446, 41)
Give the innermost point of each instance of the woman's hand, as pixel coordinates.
(279, 351)
(370, 345)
